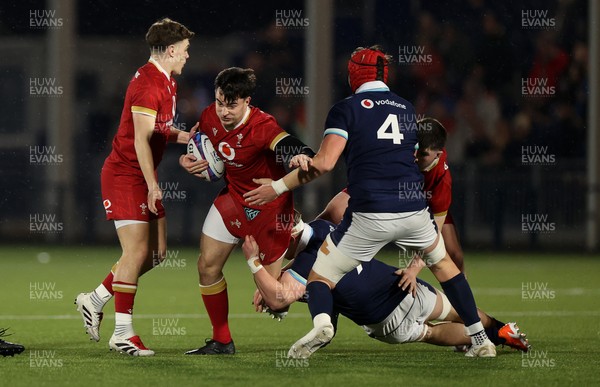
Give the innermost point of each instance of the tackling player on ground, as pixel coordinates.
(370, 296)
(372, 128)
(250, 143)
(130, 190)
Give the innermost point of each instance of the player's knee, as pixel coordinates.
(207, 269)
(137, 254)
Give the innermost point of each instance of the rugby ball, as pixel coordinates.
(201, 147)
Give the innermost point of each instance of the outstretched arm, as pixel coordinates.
(323, 162)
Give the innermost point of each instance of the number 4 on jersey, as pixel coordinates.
(394, 133)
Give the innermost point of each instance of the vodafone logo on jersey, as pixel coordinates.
(107, 205)
(367, 103)
(227, 151)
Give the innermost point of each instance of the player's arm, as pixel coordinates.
(276, 295)
(187, 160)
(324, 161)
(181, 136)
(288, 147)
(409, 274)
(143, 125)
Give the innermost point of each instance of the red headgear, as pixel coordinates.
(367, 65)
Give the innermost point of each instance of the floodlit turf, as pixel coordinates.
(553, 298)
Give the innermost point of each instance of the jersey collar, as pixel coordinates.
(432, 165)
(159, 67)
(244, 119)
(372, 86)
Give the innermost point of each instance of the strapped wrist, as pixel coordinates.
(279, 186)
(255, 264)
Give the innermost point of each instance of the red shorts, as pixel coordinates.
(125, 197)
(449, 219)
(271, 227)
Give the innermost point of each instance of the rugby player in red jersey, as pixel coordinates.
(431, 157)
(130, 190)
(251, 144)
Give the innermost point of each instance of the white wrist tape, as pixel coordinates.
(279, 186)
(255, 264)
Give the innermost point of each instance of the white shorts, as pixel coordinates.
(367, 233)
(406, 324)
(214, 227)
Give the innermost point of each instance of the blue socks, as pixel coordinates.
(320, 299)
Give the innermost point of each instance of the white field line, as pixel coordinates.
(476, 291)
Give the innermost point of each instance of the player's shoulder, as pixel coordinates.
(260, 117)
(147, 76)
(370, 99)
(210, 109)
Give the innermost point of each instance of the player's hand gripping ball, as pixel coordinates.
(201, 147)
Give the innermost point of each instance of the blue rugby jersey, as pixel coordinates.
(380, 128)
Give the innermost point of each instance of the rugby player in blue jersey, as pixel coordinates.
(376, 132)
(370, 296)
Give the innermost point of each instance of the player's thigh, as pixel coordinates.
(415, 231)
(213, 255)
(272, 233)
(134, 239)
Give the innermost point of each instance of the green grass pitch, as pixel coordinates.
(554, 298)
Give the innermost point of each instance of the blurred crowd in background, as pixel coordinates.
(476, 57)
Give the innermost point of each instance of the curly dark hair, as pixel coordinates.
(235, 83)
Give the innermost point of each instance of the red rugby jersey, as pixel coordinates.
(246, 150)
(152, 92)
(438, 187)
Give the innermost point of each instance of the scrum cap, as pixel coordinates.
(365, 65)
